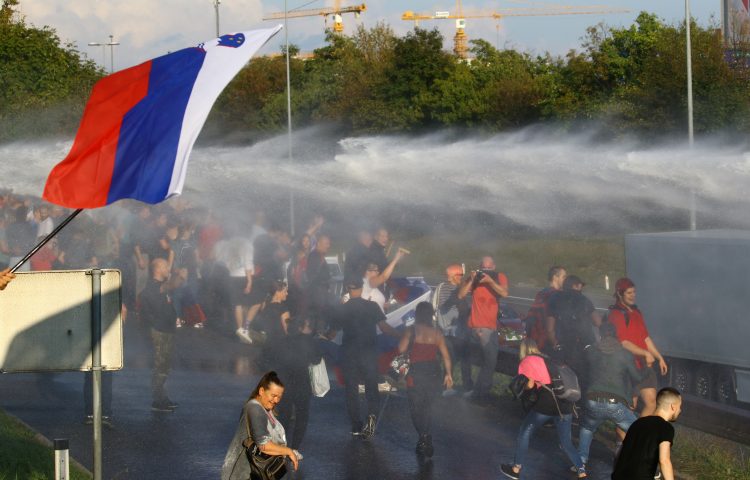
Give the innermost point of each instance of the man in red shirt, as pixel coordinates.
(633, 334)
(486, 286)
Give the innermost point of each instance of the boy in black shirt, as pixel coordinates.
(649, 441)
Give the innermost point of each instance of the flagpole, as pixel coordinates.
(45, 240)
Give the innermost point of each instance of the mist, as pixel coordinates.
(531, 180)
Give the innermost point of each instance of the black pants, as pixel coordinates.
(423, 385)
(360, 367)
(294, 412)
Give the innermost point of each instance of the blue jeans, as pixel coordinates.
(597, 412)
(563, 424)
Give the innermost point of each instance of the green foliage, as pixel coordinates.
(629, 80)
(44, 83)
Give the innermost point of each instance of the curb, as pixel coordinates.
(41, 439)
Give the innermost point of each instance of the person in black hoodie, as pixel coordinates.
(297, 351)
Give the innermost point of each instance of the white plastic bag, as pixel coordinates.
(319, 378)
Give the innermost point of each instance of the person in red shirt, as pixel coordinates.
(486, 286)
(633, 334)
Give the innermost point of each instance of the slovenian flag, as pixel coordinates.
(140, 124)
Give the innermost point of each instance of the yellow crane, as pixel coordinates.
(460, 40)
(335, 12)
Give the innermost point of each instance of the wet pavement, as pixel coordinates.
(213, 376)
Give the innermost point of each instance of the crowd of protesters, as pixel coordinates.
(181, 266)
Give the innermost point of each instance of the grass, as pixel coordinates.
(22, 457)
(524, 260)
(697, 455)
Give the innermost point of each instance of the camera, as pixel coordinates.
(479, 275)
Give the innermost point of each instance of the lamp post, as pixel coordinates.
(689, 56)
(111, 44)
(104, 52)
(289, 114)
(216, 10)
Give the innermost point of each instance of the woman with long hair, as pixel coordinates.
(425, 378)
(547, 407)
(266, 431)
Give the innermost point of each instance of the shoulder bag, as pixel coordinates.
(262, 466)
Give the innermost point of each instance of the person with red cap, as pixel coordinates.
(633, 334)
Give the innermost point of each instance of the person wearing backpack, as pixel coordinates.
(612, 371)
(570, 326)
(548, 407)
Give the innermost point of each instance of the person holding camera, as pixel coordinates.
(486, 286)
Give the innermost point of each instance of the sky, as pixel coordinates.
(149, 28)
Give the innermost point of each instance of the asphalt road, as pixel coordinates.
(212, 377)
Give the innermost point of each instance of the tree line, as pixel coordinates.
(627, 81)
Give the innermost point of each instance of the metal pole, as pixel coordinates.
(45, 240)
(688, 53)
(216, 9)
(289, 116)
(111, 45)
(96, 366)
(62, 457)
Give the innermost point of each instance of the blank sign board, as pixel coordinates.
(45, 322)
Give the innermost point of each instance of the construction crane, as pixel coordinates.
(335, 12)
(460, 40)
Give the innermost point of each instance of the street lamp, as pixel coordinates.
(216, 9)
(688, 54)
(111, 44)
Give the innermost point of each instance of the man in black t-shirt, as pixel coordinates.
(358, 318)
(649, 441)
(157, 311)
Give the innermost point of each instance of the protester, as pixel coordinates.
(611, 371)
(317, 289)
(273, 322)
(423, 342)
(486, 286)
(266, 431)
(5, 278)
(358, 318)
(648, 442)
(547, 408)
(236, 254)
(537, 317)
(632, 332)
(358, 257)
(156, 310)
(570, 326)
(297, 351)
(452, 315)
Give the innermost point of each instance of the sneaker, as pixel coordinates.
(508, 471)
(89, 420)
(171, 403)
(244, 336)
(198, 325)
(162, 407)
(179, 323)
(361, 388)
(368, 430)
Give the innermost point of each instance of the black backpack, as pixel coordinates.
(565, 384)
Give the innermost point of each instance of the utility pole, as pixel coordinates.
(111, 44)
